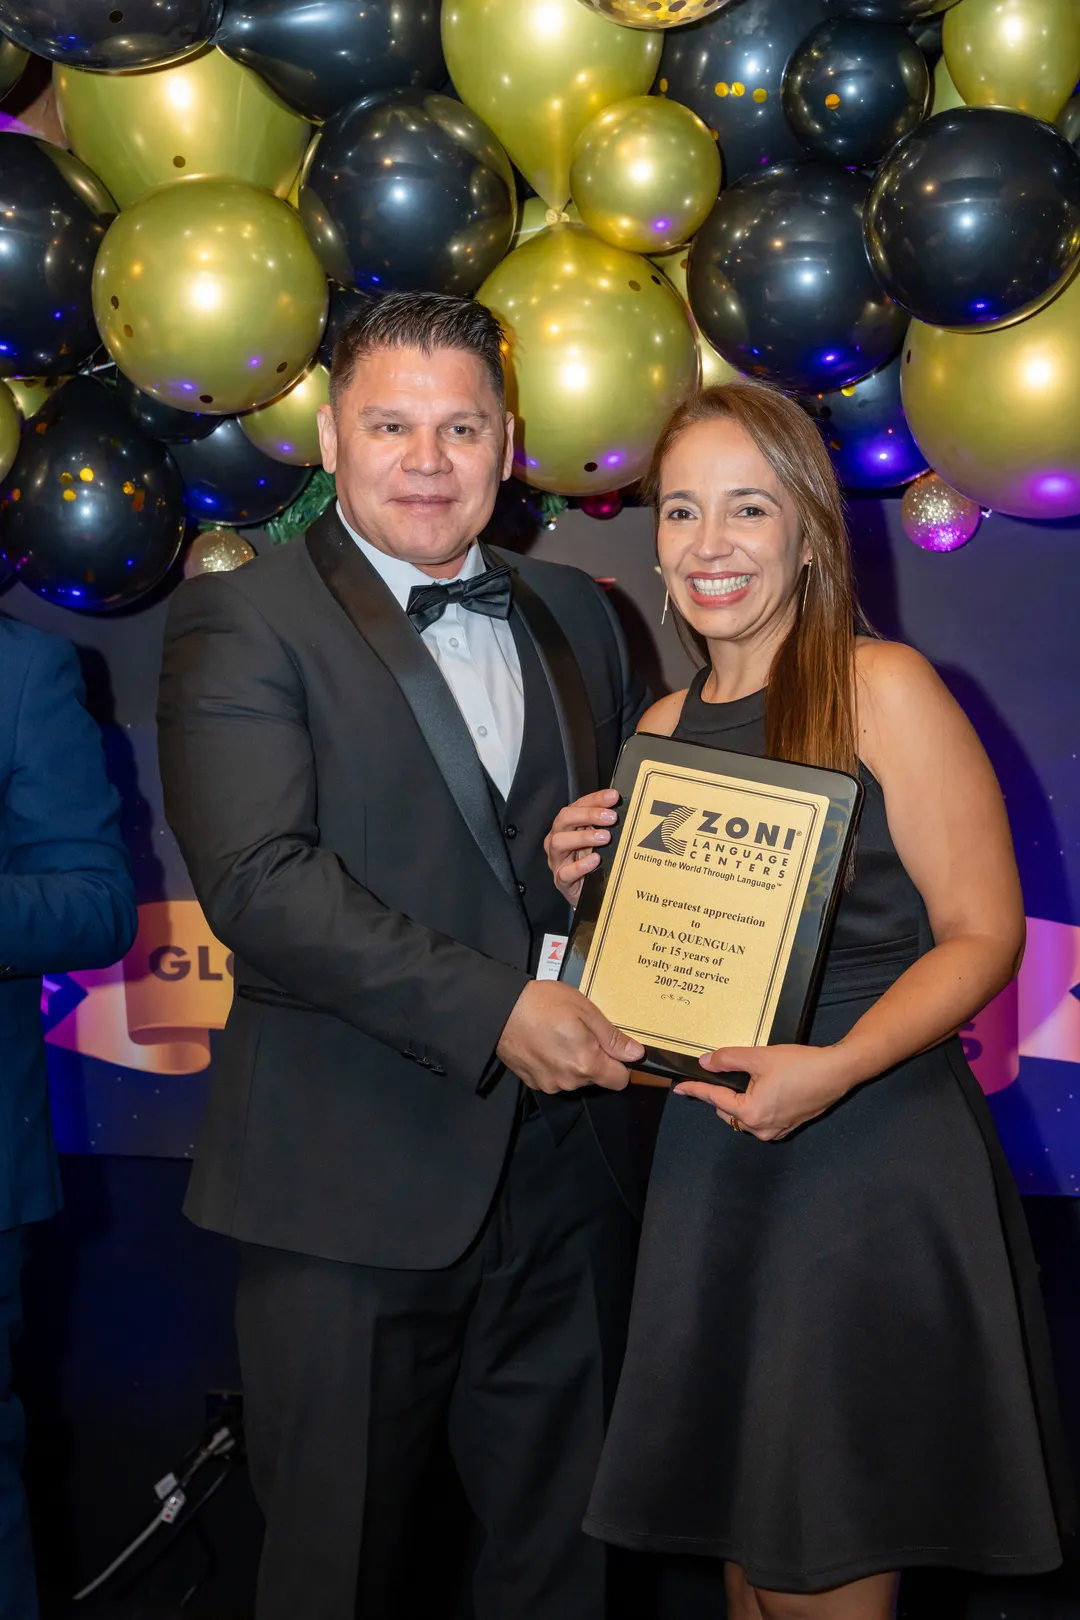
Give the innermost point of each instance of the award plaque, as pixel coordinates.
(707, 921)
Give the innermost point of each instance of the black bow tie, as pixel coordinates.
(488, 593)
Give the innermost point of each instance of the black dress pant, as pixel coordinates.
(352, 1373)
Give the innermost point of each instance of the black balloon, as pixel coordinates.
(780, 284)
(162, 421)
(865, 431)
(110, 34)
(854, 88)
(92, 512)
(927, 36)
(320, 55)
(901, 11)
(729, 67)
(345, 306)
(53, 216)
(408, 190)
(975, 217)
(228, 481)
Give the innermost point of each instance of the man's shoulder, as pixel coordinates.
(271, 576)
(24, 645)
(557, 583)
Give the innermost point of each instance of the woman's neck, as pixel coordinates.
(742, 667)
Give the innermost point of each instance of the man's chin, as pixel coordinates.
(430, 535)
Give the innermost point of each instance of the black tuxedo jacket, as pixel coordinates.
(344, 843)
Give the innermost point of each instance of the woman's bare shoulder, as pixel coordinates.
(891, 670)
(662, 718)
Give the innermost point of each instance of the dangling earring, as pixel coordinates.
(805, 588)
(663, 616)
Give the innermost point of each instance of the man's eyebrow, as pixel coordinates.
(370, 412)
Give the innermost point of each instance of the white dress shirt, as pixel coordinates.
(476, 656)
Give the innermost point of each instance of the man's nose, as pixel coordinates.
(425, 453)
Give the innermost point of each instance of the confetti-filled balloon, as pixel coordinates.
(645, 174)
(537, 71)
(995, 412)
(286, 429)
(92, 512)
(108, 36)
(228, 481)
(936, 517)
(10, 430)
(208, 295)
(653, 13)
(160, 421)
(780, 283)
(1014, 53)
(854, 88)
(206, 115)
(729, 69)
(409, 190)
(975, 218)
(53, 219)
(319, 57)
(601, 353)
(865, 433)
(217, 551)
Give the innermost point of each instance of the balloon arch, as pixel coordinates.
(871, 204)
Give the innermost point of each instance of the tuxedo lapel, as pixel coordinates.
(357, 588)
(565, 682)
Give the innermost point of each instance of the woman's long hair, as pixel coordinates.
(810, 715)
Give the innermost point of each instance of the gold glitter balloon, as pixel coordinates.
(10, 431)
(286, 429)
(208, 295)
(937, 517)
(715, 370)
(1014, 53)
(31, 392)
(995, 412)
(601, 350)
(537, 71)
(645, 174)
(216, 551)
(206, 115)
(653, 13)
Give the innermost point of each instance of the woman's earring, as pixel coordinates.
(663, 616)
(806, 586)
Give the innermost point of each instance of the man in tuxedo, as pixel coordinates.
(365, 736)
(66, 902)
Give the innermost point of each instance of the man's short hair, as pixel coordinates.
(424, 321)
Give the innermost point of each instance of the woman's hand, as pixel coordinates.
(571, 845)
(789, 1085)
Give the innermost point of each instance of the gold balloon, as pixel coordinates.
(208, 295)
(535, 216)
(995, 412)
(653, 13)
(601, 350)
(537, 71)
(216, 551)
(286, 429)
(645, 174)
(10, 431)
(937, 517)
(205, 115)
(715, 370)
(31, 392)
(1014, 53)
(945, 94)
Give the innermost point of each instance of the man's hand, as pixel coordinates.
(555, 1040)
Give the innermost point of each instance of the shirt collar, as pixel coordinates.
(399, 576)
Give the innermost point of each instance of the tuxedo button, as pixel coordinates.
(521, 888)
(511, 832)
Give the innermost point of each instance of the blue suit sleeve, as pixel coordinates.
(66, 895)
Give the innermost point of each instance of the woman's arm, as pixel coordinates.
(947, 820)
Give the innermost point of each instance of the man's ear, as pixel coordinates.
(508, 448)
(327, 437)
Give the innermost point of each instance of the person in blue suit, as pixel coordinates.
(66, 902)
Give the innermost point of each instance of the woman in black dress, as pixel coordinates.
(837, 1365)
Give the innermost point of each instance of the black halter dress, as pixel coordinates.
(838, 1363)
